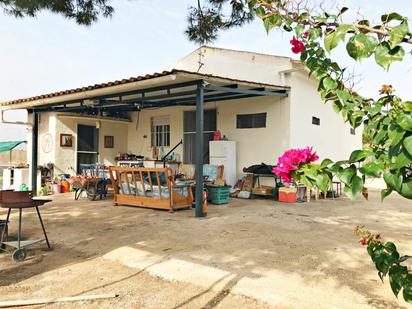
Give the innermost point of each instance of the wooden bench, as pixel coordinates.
(150, 188)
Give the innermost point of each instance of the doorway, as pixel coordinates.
(87, 145)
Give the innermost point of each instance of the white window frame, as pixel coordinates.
(160, 131)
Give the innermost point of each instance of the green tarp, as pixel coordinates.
(7, 146)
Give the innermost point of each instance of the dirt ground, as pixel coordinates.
(248, 254)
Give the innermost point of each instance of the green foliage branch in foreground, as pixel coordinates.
(387, 120)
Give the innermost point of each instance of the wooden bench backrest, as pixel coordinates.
(133, 175)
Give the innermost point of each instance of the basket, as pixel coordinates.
(218, 195)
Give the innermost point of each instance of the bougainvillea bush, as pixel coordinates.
(298, 165)
(293, 160)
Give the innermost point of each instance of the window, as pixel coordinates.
(316, 121)
(249, 121)
(352, 131)
(160, 131)
(189, 135)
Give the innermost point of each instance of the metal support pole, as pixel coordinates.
(199, 150)
(34, 140)
(19, 234)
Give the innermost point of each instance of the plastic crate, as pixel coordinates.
(218, 195)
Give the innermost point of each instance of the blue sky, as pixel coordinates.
(50, 53)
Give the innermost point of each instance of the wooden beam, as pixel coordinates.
(248, 91)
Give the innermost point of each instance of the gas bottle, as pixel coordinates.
(204, 205)
(217, 136)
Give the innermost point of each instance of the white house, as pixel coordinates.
(265, 103)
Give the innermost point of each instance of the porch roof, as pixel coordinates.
(168, 88)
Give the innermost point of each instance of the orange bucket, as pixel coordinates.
(65, 186)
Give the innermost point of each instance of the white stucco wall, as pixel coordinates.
(256, 145)
(332, 139)
(241, 65)
(65, 159)
(139, 131)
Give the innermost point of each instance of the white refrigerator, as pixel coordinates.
(224, 153)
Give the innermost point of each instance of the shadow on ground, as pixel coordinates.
(303, 246)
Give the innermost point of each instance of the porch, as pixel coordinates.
(248, 254)
(71, 127)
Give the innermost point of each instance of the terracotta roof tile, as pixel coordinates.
(125, 81)
(85, 88)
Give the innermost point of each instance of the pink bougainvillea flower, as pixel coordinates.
(297, 46)
(305, 34)
(291, 160)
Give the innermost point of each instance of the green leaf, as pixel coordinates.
(299, 30)
(403, 159)
(407, 143)
(371, 169)
(398, 33)
(325, 163)
(407, 293)
(404, 121)
(384, 55)
(343, 95)
(361, 46)
(323, 182)
(389, 17)
(356, 118)
(306, 181)
(395, 278)
(346, 174)
(329, 83)
(374, 110)
(260, 11)
(395, 135)
(311, 172)
(390, 246)
(408, 106)
(314, 33)
(393, 180)
(272, 22)
(343, 10)
(355, 188)
(406, 190)
(337, 106)
(385, 193)
(333, 38)
(380, 135)
(358, 156)
(336, 168)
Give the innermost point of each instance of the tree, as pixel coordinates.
(387, 121)
(209, 17)
(84, 12)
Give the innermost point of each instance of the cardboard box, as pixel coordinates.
(263, 190)
(248, 184)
